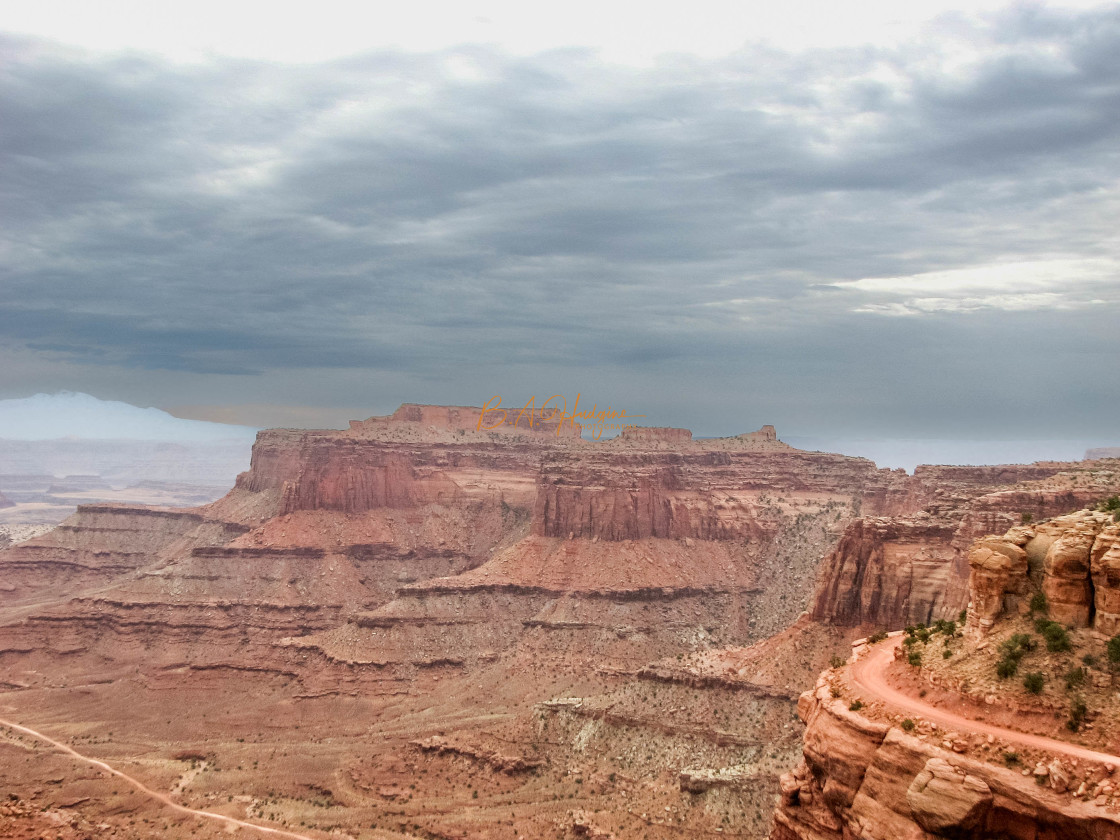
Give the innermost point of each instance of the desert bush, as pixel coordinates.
(1039, 604)
(908, 725)
(855, 706)
(1075, 678)
(915, 658)
(877, 636)
(1057, 637)
(1033, 682)
(1114, 650)
(1078, 711)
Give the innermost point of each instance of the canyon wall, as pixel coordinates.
(904, 569)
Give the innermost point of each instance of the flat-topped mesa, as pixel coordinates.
(1074, 560)
(469, 418)
(656, 434)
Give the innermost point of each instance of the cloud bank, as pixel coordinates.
(915, 240)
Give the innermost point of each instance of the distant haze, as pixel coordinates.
(907, 454)
(71, 415)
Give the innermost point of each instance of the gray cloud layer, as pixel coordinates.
(713, 243)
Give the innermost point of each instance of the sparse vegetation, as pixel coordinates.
(1078, 711)
(1075, 678)
(1039, 604)
(915, 658)
(1010, 758)
(877, 636)
(1114, 651)
(908, 725)
(1111, 505)
(855, 705)
(1033, 682)
(1056, 635)
(1011, 653)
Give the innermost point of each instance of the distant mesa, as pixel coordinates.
(654, 433)
(1102, 452)
(469, 418)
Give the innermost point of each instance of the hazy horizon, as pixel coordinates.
(45, 417)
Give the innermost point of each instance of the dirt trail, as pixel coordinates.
(144, 789)
(867, 674)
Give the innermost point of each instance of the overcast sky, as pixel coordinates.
(893, 222)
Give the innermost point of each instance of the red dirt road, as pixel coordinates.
(867, 674)
(162, 798)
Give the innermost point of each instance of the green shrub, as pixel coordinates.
(946, 654)
(855, 706)
(915, 658)
(963, 617)
(948, 628)
(1025, 518)
(1114, 650)
(1010, 758)
(1078, 711)
(1089, 661)
(1033, 682)
(1057, 637)
(877, 636)
(1006, 668)
(908, 725)
(837, 661)
(1039, 604)
(1075, 678)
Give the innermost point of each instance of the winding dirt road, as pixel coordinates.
(162, 798)
(867, 674)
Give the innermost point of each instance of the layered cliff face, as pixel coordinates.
(868, 778)
(904, 569)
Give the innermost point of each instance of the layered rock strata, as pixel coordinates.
(862, 778)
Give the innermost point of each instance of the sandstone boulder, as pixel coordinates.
(995, 567)
(1105, 569)
(1065, 580)
(946, 801)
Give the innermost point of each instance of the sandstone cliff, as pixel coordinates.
(913, 567)
(869, 779)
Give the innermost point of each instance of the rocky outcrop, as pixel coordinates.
(861, 778)
(998, 566)
(1105, 569)
(905, 569)
(1074, 560)
(944, 799)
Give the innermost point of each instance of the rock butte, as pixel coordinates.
(541, 605)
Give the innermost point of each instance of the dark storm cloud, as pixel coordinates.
(696, 223)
